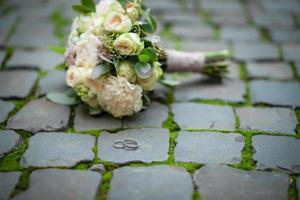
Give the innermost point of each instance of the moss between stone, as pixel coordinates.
(23, 183)
(105, 186)
(298, 126)
(292, 192)
(196, 196)
(11, 162)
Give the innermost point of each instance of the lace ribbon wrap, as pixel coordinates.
(178, 61)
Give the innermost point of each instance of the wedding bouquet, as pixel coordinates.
(114, 59)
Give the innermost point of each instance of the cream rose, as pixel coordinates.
(150, 83)
(126, 70)
(128, 44)
(133, 11)
(77, 75)
(120, 98)
(107, 6)
(117, 23)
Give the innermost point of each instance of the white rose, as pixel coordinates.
(87, 52)
(133, 11)
(120, 98)
(107, 6)
(126, 70)
(77, 75)
(128, 44)
(117, 23)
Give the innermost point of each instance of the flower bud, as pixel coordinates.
(150, 83)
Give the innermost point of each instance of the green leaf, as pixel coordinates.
(100, 70)
(170, 82)
(149, 53)
(57, 49)
(82, 9)
(144, 58)
(89, 4)
(143, 70)
(62, 98)
(150, 25)
(123, 3)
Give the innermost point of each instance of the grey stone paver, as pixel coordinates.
(202, 116)
(259, 51)
(54, 149)
(156, 182)
(153, 117)
(8, 181)
(8, 141)
(153, 146)
(40, 115)
(268, 20)
(222, 6)
(17, 83)
(6, 108)
(55, 81)
(33, 37)
(276, 70)
(289, 36)
(190, 32)
(275, 93)
(277, 152)
(83, 121)
(274, 120)
(43, 59)
(291, 52)
(209, 147)
(227, 90)
(240, 33)
(64, 184)
(223, 182)
(204, 46)
(160, 93)
(229, 19)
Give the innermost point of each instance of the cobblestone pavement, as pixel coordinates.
(236, 139)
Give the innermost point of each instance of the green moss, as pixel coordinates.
(196, 196)
(190, 167)
(23, 183)
(83, 166)
(215, 102)
(265, 35)
(247, 162)
(292, 192)
(294, 70)
(43, 73)
(170, 124)
(298, 126)
(11, 161)
(172, 144)
(105, 185)
(243, 71)
(217, 32)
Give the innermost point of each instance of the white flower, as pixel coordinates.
(120, 98)
(87, 52)
(77, 75)
(117, 23)
(133, 11)
(128, 44)
(108, 6)
(126, 70)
